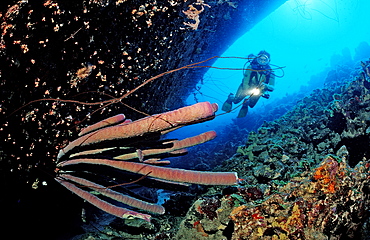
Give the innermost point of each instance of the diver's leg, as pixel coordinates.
(244, 110)
(253, 100)
(240, 94)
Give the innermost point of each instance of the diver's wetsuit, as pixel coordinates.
(255, 76)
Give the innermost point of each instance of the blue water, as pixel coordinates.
(306, 37)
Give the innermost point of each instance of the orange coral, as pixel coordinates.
(326, 175)
(84, 72)
(198, 226)
(193, 14)
(299, 210)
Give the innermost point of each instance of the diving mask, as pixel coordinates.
(263, 59)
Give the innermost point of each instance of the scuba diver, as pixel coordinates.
(258, 80)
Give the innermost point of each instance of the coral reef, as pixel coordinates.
(331, 201)
(318, 125)
(304, 175)
(95, 51)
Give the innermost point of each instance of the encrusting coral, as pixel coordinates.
(331, 200)
(193, 14)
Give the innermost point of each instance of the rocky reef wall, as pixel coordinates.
(303, 176)
(60, 60)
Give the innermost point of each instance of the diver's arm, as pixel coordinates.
(271, 84)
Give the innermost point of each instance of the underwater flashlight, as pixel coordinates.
(263, 59)
(255, 91)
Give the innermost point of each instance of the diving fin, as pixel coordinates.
(243, 111)
(226, 107)
(228, 104)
